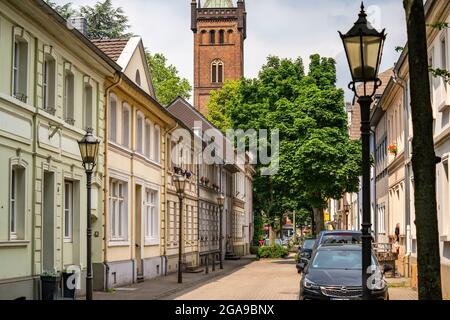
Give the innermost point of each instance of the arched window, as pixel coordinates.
(138, 77)
(221, 36)
(212, 37)
(217, 71)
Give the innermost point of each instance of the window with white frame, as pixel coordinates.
(157, 144)
(69, 91)
(126, 124)
(88, 109)
(151, 215)
(148, 139)
(118, 209)
(113, 118)
(20, 69)
(430, 75)
(139, 133)
(68, 211)
(444, 60)
(17, 203)
(381, 219)
(49, 83)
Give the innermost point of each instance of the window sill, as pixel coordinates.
(146, 159)
(443, 106)
(444, 238)
(118, 243)
(14, 243)
(151, 243)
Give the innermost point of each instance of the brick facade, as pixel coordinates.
(227, 49)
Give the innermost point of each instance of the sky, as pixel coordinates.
(287, 28)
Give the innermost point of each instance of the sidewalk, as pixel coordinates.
(399, 289)
(159, 288)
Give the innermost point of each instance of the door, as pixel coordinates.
(48, 226)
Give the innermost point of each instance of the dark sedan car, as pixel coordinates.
(305, 253)
(334, 273)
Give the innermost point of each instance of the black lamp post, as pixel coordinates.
(363, 47)
(220, 202)
(89, 151)
(180, 183)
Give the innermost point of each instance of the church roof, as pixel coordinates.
(218, 4)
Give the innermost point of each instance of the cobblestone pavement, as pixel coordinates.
(402, 294)
(260, 280)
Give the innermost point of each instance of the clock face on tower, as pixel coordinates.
(219, 28)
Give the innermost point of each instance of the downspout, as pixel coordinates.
(118, 81)
(375, 207)
(166, 216)
(33, 194)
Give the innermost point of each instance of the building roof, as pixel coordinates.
(218, 4)
(113, 48)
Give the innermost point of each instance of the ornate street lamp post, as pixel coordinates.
(363, 47)
(220, 202)
(89, 151)
(180, 183)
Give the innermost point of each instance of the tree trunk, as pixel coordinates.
(319, 221)
(423, 158)
(313, 224)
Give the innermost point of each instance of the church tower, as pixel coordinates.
(220, 29)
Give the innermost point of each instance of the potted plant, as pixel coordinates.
(50, 281)
(178, 170)
(188, 174)
(206, 181)
(392, 149)
(69, 283)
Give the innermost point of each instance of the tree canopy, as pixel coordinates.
(317, 160)
(166, 80)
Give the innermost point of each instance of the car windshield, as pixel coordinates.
(338, 259)
(309, 244)
(349, 238)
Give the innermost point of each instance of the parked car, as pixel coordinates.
(334, 273)
(338, 236)
(304, 253)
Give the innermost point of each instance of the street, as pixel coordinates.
(245, 279)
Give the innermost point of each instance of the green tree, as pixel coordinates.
(105, 22)
(66, 11)
(424, 157)
(166, 80)
(317, 159)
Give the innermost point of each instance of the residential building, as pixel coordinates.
(220, 30)
(51, 91)
(135, 170)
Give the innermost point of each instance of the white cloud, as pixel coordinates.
(288, 28)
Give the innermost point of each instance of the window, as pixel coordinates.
(139, 133)
(156, 144)
(138, 78)
(118, 209)
(68, 211)
(148, 139)
(126, 125)
(221, 36)
(430, 75)
(151, 215)
(49, 83)
(17, 204)
(69, 98)
(20, 69)
(217, 71)
(88, 110)
(113, 118)
(444, 57)
(212, 37)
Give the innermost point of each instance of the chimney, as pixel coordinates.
(80, 24)
(194, 16)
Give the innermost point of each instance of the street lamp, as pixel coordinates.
(180, 184)
(363, 46)
(220, 202)
(89, 150)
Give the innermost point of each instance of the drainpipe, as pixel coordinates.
(117, 82)
(375, 207)
(408, 243)
(166, 216)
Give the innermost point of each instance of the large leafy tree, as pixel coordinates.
(317, 159)
(166, 80)
(424, 157)
(103, 19)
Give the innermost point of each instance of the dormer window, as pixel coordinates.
(138, 78)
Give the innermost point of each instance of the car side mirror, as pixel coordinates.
(301, 266)
(387, 268)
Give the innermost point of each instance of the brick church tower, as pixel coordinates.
(220, 30)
